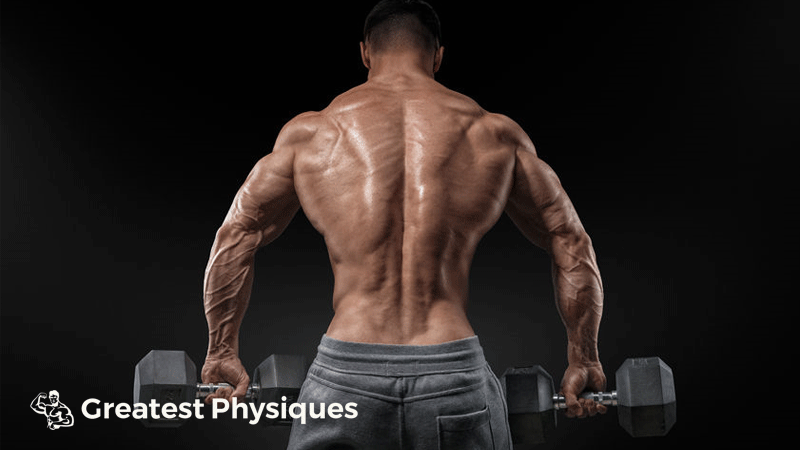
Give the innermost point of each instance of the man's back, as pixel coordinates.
(402, 178)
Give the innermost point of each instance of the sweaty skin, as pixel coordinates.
(402, 177)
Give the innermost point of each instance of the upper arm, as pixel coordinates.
(267, 200)
(538, 204)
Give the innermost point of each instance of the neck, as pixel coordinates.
(401, 63)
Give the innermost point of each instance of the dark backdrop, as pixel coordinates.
(128, 127)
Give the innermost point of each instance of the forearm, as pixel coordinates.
(579, 298)
(227, 287)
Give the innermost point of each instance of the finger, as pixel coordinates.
(570, 390)
(241, 386)
(209, 398)
(223, 393)
(572, 385)
(590, 408)
(574, 408)
(585, 405)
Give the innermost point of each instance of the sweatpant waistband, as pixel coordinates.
(400, 360)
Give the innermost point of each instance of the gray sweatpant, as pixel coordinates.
(442, 396)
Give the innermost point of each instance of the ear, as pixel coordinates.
(364, 55)
(437, 59)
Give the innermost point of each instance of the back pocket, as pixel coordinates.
(471, 431)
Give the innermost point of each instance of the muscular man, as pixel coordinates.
(57, 413)
(402, 177)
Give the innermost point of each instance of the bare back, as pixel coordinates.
(402, 177)
(402, 180)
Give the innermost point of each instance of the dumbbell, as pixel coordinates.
(645, 400)
(170, 376)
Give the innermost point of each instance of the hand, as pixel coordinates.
(227, 370)
(578, 379)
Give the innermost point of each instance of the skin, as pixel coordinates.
(402, 177)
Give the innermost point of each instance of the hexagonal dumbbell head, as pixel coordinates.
(529, 394)
(279, 376)
(646, 397)
(168, 376)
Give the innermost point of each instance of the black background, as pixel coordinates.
(128, 127)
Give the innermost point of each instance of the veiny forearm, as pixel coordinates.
(579, 297)
(227, 287)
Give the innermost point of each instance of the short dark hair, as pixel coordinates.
(414, 17)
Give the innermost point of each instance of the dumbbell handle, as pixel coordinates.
(206, 389)
(604, 398)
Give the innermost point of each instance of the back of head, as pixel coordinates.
(402, 24)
